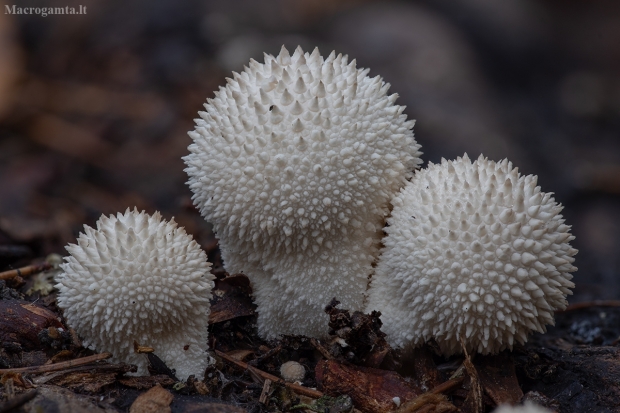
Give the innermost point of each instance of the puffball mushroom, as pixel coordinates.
(474, 251)
(294, 163)
(139, 278)
(292, 371)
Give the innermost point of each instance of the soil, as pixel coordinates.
(572, 368)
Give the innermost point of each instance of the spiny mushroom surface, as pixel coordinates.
(474, 251)
(294, 163)
(139, 278)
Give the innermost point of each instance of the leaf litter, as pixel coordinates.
(42, 363)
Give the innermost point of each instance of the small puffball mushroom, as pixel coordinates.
(474, 251)
(528, 407)
(292, 371)
(294, 163)
(139, 278)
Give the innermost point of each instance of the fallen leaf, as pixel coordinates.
(420, 366)
(372, 390)
(429, 403)
(89, 382)
(240, 355)
(21, 322)
(43, 312)
(57, 399)
(146, 382)
(156, 400)
(498, 378)
(231, 299)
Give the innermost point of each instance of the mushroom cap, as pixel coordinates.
(474, 251)
(292, 371)
(294, 163)
(139, 278)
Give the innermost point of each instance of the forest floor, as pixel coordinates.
(574, 367)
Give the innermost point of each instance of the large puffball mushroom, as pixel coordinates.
(139, 278)
(474, 251)
(294, 163)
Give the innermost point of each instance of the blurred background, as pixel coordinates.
(95, 108)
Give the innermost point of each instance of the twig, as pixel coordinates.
(265, 393)
(99, 368)
(317, 345)
(265, 356)
(25, 271)
(431, 397)
(447, 386)
(296, 387)
(17, 401)
(589, 304)
(58, 366)
(474, 380)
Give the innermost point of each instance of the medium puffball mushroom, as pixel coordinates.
(474, 251)
(292, 371)
(294, 163)
(139, 278)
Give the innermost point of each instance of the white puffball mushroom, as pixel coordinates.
(527, 407)
(474, 251)
(139, 278)
(294, 163)
(292, 371)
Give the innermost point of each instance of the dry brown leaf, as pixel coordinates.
(420, 366)
(498, 378)
(156, 400)
(240, 355)
(428, 403)
(372, 390)
(231, 299)
(56, 399)
(146, 382)
(89, 382)
(21, 322)
(62, 355)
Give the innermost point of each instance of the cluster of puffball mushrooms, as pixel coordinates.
(298, 162)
